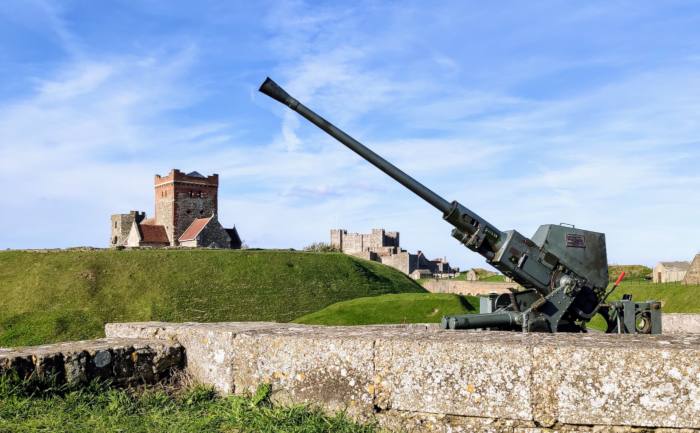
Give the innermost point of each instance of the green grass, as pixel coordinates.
(66, 295)
(399, 308)
(674, 297)
(494, 278)
(100, 409)
(430, 307)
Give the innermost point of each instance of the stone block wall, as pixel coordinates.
(122, 361)
(121, 226)
(417, 378)
(180, 198)
(212, 235)
(403, 261)
(379, 241)
(676, 323)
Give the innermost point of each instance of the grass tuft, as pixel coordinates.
(196, 409)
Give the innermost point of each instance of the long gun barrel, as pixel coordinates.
(466, 221)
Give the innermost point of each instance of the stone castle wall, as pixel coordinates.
(384, 247)
(379, 241)
(213, 235)
(403, 261)
(180, 199)
(121, 226)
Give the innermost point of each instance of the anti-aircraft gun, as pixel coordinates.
(563, 269)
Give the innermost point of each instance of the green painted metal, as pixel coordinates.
(564, 270)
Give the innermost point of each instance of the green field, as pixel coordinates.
(23, 408)
(430, 307)
(67, 295)
(674, 297)
(398, 308)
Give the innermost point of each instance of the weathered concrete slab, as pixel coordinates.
(418, 378)
(121, 360)
(675, 323)
(645, 381)
(209, 348)
(455, 373)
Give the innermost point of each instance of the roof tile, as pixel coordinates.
(194, 229)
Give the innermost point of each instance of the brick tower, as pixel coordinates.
(181, 198)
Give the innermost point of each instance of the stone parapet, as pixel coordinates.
(676, 323)
(122, 361)
(419, 378)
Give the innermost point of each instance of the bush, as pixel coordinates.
(321, 247)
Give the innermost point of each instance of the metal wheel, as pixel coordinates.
(642, 323)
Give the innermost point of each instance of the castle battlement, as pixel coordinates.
(194, 177)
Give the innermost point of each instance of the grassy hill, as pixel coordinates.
(61, 295)
(633, 272)
(397, 308)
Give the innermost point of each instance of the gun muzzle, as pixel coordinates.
(274, 91)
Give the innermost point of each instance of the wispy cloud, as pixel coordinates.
(527, 126)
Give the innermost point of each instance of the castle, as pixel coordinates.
(383, 246)
(186, 215)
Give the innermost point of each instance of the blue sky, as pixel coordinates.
(527, 112)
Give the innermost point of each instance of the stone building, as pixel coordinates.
(669, 272)
(692, 276)
(186, 214)
(383, 246)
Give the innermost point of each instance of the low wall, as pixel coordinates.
(122, 361)
(473, 288)
(418, 378)
(675, 323)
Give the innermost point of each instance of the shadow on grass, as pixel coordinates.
(466, 304)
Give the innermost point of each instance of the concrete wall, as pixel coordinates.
(419, 379)
(675, 323)
(473, 288)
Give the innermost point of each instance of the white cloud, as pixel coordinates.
(618, 157)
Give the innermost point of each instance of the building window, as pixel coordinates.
(115, 224)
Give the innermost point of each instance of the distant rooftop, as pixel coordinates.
(681, 266)
(196, 174)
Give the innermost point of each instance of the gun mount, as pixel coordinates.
(563, 269)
